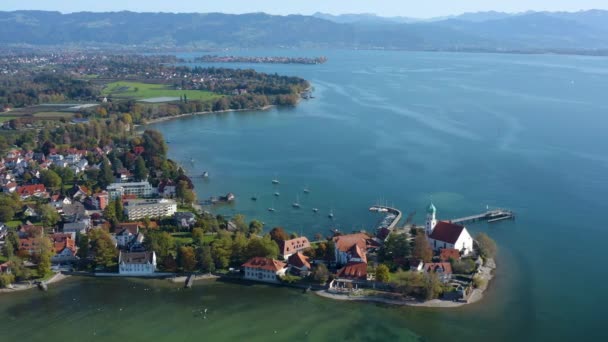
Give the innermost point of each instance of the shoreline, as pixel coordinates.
(22, 287)
(179, 116)
(485, 273)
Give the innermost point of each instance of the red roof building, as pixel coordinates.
(449, 253)
(36, 190)
(299, 261)
(290, 247)
(264, 269)
(354, 270)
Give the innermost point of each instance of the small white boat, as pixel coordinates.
(277, 194)
(205, 174)
(306, 190)
(331, 214)
(315, 210)
(271, 209)
(275, 181)
(296, 204)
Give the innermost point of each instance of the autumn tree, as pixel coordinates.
(422, 248)
(278, 234)
(186, 259)
(102, 247)
(487, 246)
(198, 236)
(320, 273)
(43, 255)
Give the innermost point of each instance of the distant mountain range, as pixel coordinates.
(471, 31)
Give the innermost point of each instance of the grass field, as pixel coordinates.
(53, 115)
(139, 91)
(4, 118)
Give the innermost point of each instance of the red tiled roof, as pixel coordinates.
(446, 232)
(63, 241)
(444, 267)
(449, 253)
(31, 189)
(265, 264)
(346, 242)
(299, 260)
(357, 252)
(294, 245)
(354, 270)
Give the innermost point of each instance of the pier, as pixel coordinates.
(381, 232)
(490, 216)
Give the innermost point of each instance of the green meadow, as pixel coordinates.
(140, 91)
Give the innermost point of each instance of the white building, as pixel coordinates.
(264, 269)
(139, 189)
(142, 208)
(443, 234)
(140, 263)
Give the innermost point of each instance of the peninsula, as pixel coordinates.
(262, 60)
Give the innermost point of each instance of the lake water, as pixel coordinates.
(465, 130)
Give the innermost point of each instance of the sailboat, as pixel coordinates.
(254, 198)
(296, 204)
(331, 214)
(314, 210)
(275, 180)
(271, 209)
(306, 190)
(277, 194)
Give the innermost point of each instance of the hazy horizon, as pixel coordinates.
(383, 8)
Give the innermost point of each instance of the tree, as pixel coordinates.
(262, 247)
(239, 249)
(198, 236)
(239, 222)
(487, 246)
(83, 246)
(278, 234)
(422, 248)
(66, 174)
(102, 247)
(8, 250)
(184, 193)
(382, 273)
(6, 214)
(186, 259)
(396, 247)
(206, 260)
(50, 179)
(106, 176)
(464, 266)
(141, 172)
(432, 286)
(320, 273)
(255, 227)
(6, 280)
(110, 212)
(49, 215)
(119, 209)
(43, 255)
(222, 251)
(160, 242)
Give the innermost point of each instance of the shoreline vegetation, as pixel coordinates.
(260, 60)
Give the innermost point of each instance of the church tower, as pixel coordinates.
(431, 221)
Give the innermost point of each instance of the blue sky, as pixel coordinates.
(410, 8)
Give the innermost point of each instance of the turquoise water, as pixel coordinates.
(467, 130)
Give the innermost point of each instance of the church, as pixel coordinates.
(443, 234)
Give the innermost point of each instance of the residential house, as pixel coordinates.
(289, 247)
(345, 249)
(9, 187)
(446, 254)
(264, 269)
(29, 211)
(28, 245)
(141, 208)
(80, 226)
(98, 201)
(79, 192)
(34, 190)
(58, 201)
(123, 175)
(30, 230)
(354, 271)
(136, 263)
(127, 234)
(185, 219)
(443, 270)
(65, 248)
(299, 265)
(5, 268)
(167, 188)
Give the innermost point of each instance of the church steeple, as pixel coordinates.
(431, 220)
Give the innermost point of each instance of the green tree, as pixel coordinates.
(50, 179)
(106, 176)
(255, 227)
(222, 251)
(83, 246)
(396, 247)
(43, 256)
(239, 249)
(184, 193)
(320, 273)
(8, 250)
(186, 259)
(119, 210)
(18, 269)
(464, 266)
(6, 280)
(102, 247)
(160, 242)
(110, 212)
(49, 215)
(206, 260)
(198, 237)
(382, 273)
(6, 214)
(432, 286)
(141, 172)
(262, 247)
(422, 248)
(239, 222)
(487, 246)
(66, 174)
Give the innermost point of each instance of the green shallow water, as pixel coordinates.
(467, 130)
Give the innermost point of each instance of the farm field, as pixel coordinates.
(139, 91)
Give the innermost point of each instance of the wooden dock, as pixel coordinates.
(490, 216)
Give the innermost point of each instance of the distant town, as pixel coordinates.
(262, 60)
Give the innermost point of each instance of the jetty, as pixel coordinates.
(189, 281)
(490, 216)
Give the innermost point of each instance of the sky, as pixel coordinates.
(407, 8)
